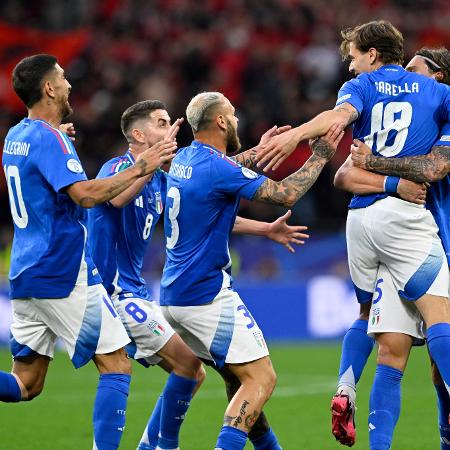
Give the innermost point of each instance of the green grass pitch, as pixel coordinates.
(298, 411)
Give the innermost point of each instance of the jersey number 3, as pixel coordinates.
(174, 210)
(18, 210)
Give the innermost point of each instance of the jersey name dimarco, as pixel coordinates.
(393, 89)
(181, 171)
(16, 148)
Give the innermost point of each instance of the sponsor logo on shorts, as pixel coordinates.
(156, 328)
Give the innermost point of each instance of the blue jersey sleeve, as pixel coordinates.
(352, 92)
(232, 178)
(114, 166)
(444, 136)
(58, 161)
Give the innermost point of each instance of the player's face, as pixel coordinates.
(62, 90)
(418, 65)
(359, 61)
(156, 127)
(233, 143)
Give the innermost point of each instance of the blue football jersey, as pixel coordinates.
(438, 198)
(400, 114)
(119, 237)
(49, 236)
(204, 188)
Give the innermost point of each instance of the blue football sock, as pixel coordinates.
(109, 410)
(149, 439)
(177, 395)
(385, 400)
(356, 348)
(438, 338)
(9, 388)
(268, 441)
(231, 439)
(443, 402)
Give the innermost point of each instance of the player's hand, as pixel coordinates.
(361, 154)
(69, 129)
(276, 150)
(326, 146)
(172, 132)
(155, 156)
(274, 131)
(281, 232)
(412, 192)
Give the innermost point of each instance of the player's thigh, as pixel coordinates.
(146, 326)
(31, 335)
(408, 244)
(221, 331)
(393, 349)
(362, 259)
(434, 309)
(86, 321)
(390, 313)
(259, 372)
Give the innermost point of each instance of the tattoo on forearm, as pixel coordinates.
(431, 167)
(322, 148)
(353, 115)
(288, 191)
(247, 158)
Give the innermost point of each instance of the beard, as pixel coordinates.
(233, 143)
(65, 109)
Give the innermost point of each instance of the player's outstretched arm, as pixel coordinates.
(248, 158)
(362, 182)
(288, 191)
(280, 147)
(93, 192)
(279, 231)
(423, 168)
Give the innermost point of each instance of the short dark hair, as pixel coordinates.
(441, 58)
(140, 110)
(28, 74)
(378, 34)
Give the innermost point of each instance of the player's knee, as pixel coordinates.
(393, 351)
(364, 310)
(268, 381)
(33, 390)
(201, 375)
(115, 362)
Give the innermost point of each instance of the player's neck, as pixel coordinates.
(47, 113)
(213, 139)
(136, 150)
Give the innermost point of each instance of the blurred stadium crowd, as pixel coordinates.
(276, 60)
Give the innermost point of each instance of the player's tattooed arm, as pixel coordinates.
(348, 113)
(288, 191)
(423, 168)
(247, 158)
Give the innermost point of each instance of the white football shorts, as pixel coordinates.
(403, 237)
(146, 326)
(222, 331)
(86, 321)
(390, 313)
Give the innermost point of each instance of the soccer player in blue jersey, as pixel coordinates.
(119, 233)
(397, 113)
(54, 286)
(204, 188)
(433, 167)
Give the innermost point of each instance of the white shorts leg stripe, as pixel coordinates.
(89, 334)
(224, 333)
(423, 278)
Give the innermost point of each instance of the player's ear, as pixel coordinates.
(48, 89)
(439, 76)
(373, 54)
(221, 122)
(138, 135)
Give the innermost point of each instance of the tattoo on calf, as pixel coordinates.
(251, 419)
